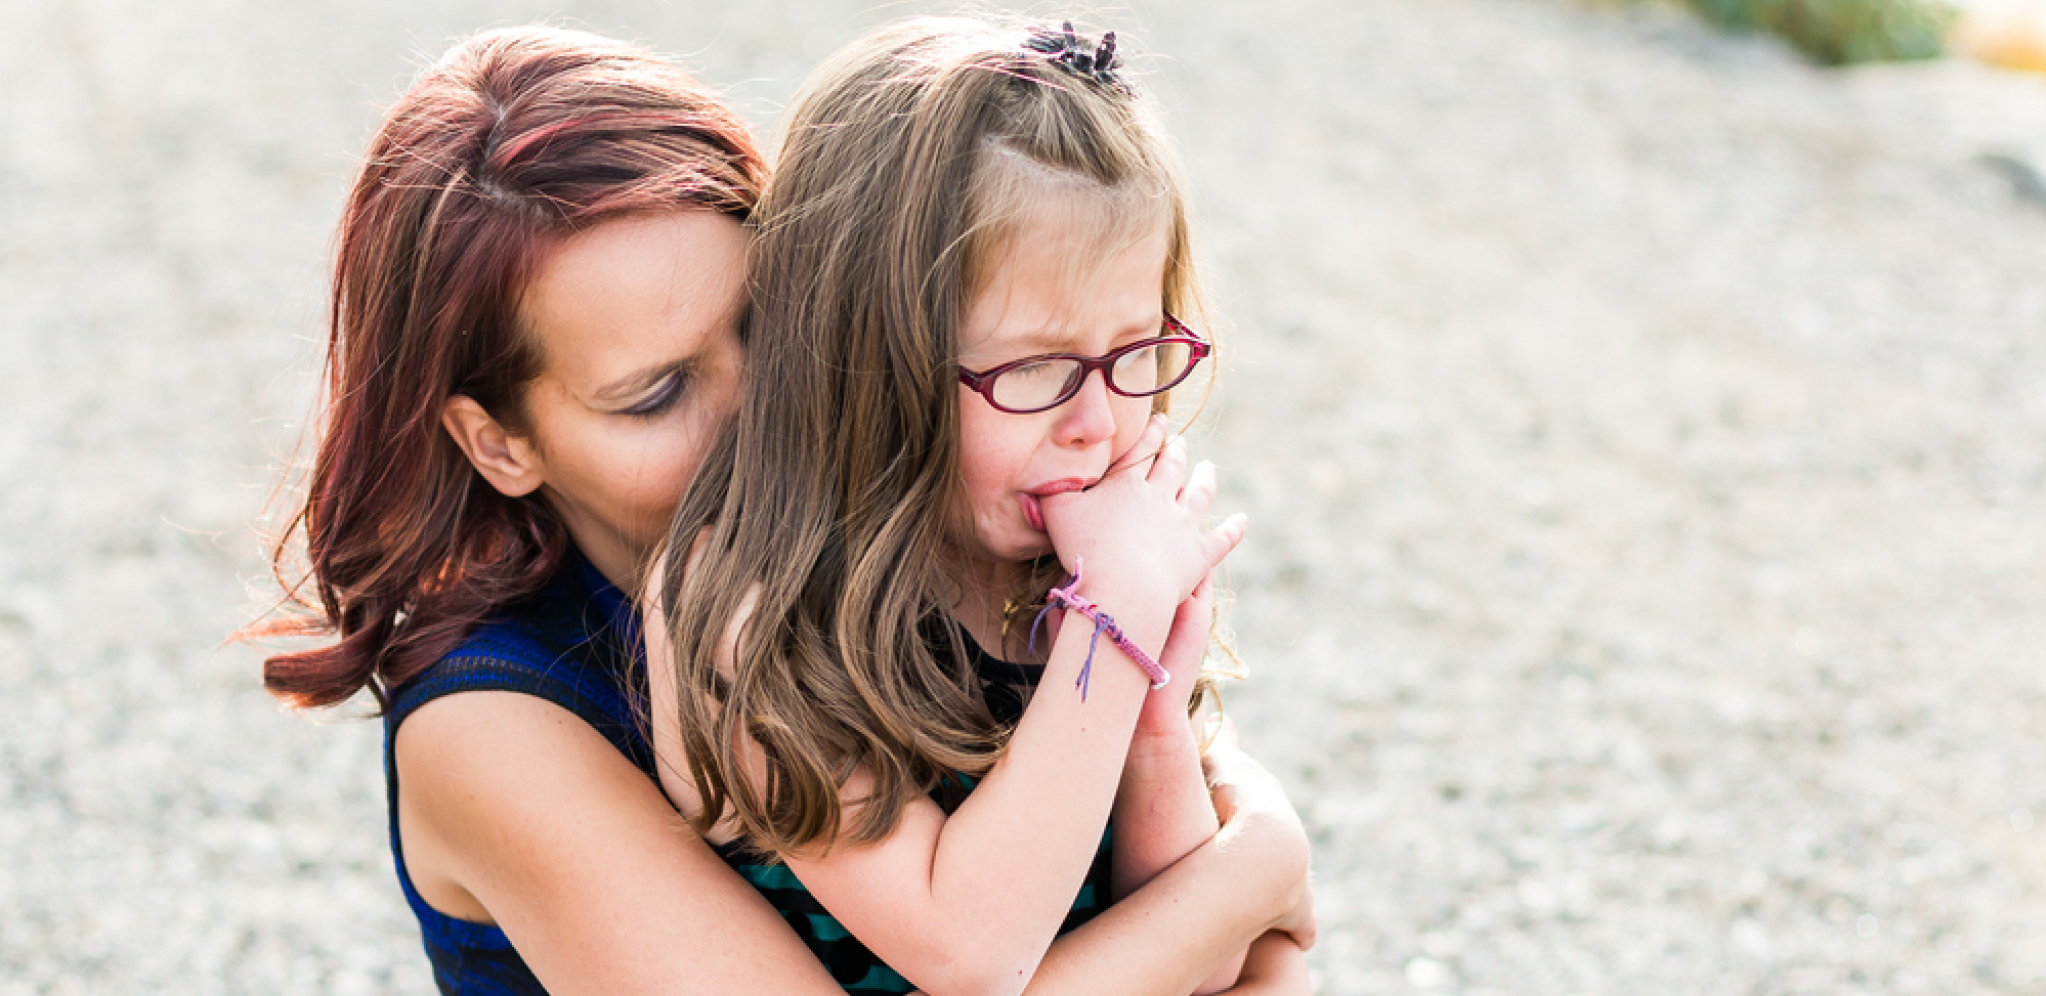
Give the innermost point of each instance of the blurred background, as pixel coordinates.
(1642, 422)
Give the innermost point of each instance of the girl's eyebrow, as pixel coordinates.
(1052, 339)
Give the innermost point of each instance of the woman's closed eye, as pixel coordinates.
(662, 398)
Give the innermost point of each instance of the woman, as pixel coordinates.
(535, 330)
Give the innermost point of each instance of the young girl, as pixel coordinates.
(966, 279)
(537, 291)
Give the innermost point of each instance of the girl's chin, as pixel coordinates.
(1022, 544)
(1028, 547)
(1007, 543)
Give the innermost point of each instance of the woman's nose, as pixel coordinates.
(1089, 416)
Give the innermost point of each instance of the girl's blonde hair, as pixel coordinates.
(908, 160)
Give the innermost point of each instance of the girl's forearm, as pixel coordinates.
(1274, 966)
(971, 902)
(1162, 813)
(1175, 932)
(1037, 817)
(1162, 808)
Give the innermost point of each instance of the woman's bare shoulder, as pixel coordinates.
(574, 852)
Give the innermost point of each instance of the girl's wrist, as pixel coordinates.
(1103, 627)
(1143, 611)
(1133, 599)
(1161, 747)
(1163, 724)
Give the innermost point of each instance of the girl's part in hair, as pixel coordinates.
(908, 161)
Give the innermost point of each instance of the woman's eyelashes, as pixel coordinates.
(663, 396)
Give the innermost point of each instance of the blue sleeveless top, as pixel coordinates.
(575, 644)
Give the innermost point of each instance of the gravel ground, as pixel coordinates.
(1644, 435)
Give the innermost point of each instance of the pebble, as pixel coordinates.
(1641, 431)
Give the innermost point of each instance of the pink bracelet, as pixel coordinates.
(1069, 597)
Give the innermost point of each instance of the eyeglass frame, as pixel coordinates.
(982, 382)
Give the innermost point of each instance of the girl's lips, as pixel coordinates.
(1033, 509)
(1032, 513)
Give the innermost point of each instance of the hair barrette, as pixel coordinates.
(1068, 51)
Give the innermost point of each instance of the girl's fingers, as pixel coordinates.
(1223, 796)
(1300, 924)
(1198, 611)
(1152, 442)
(1218, 541)
(1170, 467)
(1199, 491)
(1187, 641)
(1145, 448)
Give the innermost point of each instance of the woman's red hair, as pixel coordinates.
(512, 141)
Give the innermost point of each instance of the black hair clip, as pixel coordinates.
(1068, 51)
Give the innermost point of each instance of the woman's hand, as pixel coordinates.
(1138, 531)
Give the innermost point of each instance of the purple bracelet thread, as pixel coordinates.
(1067, 597)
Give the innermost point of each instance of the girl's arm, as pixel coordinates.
(516, 803)
(1274, 966)
(1172, 933)
(969, 903)
(604, 889)
(1162, 808)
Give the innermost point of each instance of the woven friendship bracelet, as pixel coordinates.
(1070, 599)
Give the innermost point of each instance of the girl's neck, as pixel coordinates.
(982, 591)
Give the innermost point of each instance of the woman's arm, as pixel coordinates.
(600, 885)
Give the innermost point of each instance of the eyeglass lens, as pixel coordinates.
(1147, 369)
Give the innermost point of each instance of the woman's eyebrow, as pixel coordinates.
(638, 381)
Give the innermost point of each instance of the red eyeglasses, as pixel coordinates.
(1138, 370)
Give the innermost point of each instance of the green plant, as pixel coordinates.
(1843, 31)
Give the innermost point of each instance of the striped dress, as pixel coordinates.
(573, 644)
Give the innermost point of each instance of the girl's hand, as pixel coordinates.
(1255, 812)
(1138, 531)
(1164, 710)
(1275, 966)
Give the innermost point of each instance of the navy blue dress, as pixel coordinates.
(574, 644)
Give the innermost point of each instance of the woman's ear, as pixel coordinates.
(510, 463)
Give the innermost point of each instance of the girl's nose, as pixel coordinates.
(1089, 416)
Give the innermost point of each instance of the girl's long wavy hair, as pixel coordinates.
(824, 511)
(513, 141)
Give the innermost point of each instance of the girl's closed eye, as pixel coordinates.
(1139, 360)
(663, 397)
